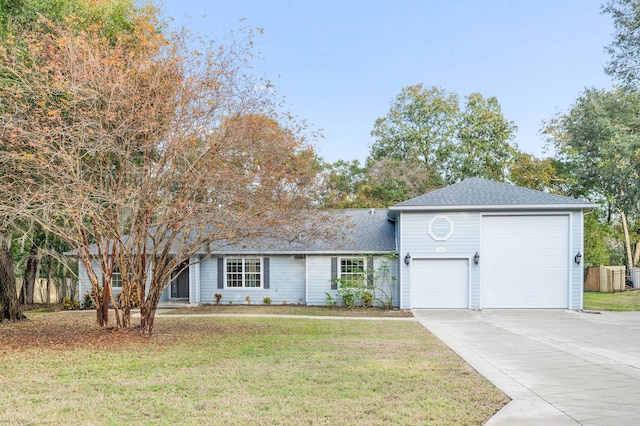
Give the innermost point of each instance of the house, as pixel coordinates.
(475, 244)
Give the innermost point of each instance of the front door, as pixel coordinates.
(180, 283)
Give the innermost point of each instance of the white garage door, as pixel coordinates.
(524, 262)
(439, 283)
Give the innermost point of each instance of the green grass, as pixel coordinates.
(622, 301)
(236, 371)
(289, 310)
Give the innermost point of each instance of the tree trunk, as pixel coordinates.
(102, 308)
(9, 306)
(49, 277)
(30, 275)
(148, 307)
(627, 239)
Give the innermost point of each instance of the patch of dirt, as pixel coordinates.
(65, 330)
(71, 330)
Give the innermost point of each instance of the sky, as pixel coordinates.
(339, 64)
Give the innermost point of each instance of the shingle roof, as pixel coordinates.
(357, 231)
(364, 231)
(478, 193)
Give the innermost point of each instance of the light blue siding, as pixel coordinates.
(576, 245)
(387, 280)
(286, 283)
(84, 284)
(463, 243)
(319, 279)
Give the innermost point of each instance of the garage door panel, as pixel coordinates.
(524, 261)
(439, 283)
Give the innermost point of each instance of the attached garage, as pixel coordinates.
(480, 244)
(440, 283)
(525, 261)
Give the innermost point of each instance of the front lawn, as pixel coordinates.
(58, 369)
(289, 310)
(622, 301)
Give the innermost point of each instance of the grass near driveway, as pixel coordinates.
(622, 301)
(58, 369)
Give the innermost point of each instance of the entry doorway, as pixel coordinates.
(180, 283)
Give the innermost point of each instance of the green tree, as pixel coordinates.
(344, 183)
(34, 36)
(624, 51)
(426, 129)
(419, 126)
(483, 145)
(597, 236)
(536, 173)
(379, 184)
(598, 141)
(113, 20)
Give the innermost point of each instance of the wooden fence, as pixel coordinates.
(58, 288)
(605, 279)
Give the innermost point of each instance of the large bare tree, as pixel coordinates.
(147, 149)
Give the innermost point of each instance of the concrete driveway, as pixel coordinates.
(559, 367)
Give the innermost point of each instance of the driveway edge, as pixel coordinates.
(525, 408)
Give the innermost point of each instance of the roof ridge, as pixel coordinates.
(478, 191)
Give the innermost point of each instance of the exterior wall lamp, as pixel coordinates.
(476, 258)
(407, 259)
(578, 258)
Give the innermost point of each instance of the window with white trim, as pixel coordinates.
(352, 270)
(116, 278)
(244, 273)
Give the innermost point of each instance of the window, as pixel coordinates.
(440, 228)
(244, 273)
(116, 278)
(352, 270)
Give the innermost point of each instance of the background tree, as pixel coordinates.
(426, 127)
(624, 51)
(600, 247)
(379, 183)
(345, 180)
(9, 307)
(597, 141)
(484, 142)
(424, 142)
(15, 17)
(419, 127)
(531, 172)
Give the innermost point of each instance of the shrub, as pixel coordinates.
(248, 300)
(349, 300)
(331, 301)
(218, 296)
(350, 292)
(88, 301)
(266, 300)
(134, 298)
(367, 298)
(70, 303)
